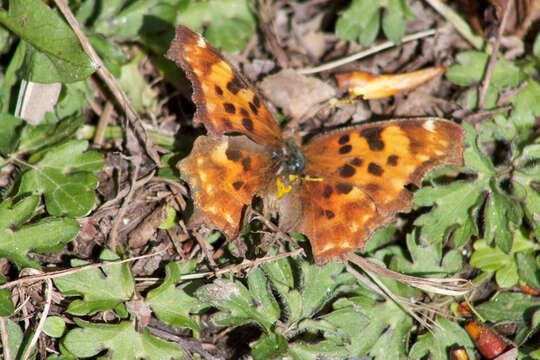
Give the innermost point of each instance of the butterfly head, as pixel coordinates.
(292, 161)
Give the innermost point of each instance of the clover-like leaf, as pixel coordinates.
(65, 177)
(101, 289)
(56, 57)
(17, 239)
(175, 305)
(34, 138)
(121, 340)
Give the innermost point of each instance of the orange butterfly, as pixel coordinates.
(337, 189)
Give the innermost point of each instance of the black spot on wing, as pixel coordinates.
(343, 188)
(329, 214)
(375, 169)
(356, 162)
(254, 108)
(392, 160)
(246, 164)
(344, 139)
(244, 112)
(248, 124)
(327, 191)
(218, 90)
(235, 85)
(373, 138)
(229, 108)
(237, 185)
(346, 171)
(345, 149)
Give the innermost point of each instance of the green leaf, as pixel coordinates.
(393, 25)
(65, 176)
(43, 135)
(536, 46)
(54, 326)
(173, 304)
(121, 340)
(6, 305)
(239, 305)
(427, 260)
(528, 269)
(501, 219)
(9, 136)
(17, 239)
(474, 158)
(56, 57)
(508, 306)
(15, 336)
(524, 180)
(448, 213)
(229, 23)
(269, 347)
(101, 288)
(142, 95)
(355, 18)
(438, 342)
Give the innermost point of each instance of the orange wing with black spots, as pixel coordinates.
(226, 103)
(364, 170)
(224, 173)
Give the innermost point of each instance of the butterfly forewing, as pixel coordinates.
(226, 103)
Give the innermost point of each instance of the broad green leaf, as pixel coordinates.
(171, 303)
(443, 338)
(526, 107)
(448, 213)
(65, 177)
(528, 269)
(16, 239)
(34, 138)
(121, 340)
(101, 288)
(508, 306)
(15, 336)
(474, 157)
(54, 326)
(53, 56)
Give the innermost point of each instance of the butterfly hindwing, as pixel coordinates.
(364, 171)
(226, 102)
(224, 173)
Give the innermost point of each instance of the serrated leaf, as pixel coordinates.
(17, 239)
(102, 289)
(121, 340)
(269, 347)
(508, 306)
(440, 340)
(56, 57)
(65, 177)
(173, 304)
(500, 221)
(355, 18)
(524, 180)
(240, 305)
(474, 158)
(427, 260)
(448, 213)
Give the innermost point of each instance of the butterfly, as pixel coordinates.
(337, 188)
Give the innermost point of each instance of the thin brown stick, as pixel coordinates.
(493, 57)
(41, 324)
(103, 122)
(362, 54)
(108, 78)
(6, 349)
(61, 273)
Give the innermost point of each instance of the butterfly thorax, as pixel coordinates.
(291, 160)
